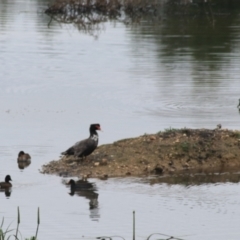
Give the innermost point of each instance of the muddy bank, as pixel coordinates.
(171, 151)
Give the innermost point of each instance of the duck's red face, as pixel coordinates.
(98, 127)
(94, 127)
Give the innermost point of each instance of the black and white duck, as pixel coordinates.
(85, 147)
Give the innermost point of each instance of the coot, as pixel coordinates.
(80, 185)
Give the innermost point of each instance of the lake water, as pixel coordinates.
(55, 81)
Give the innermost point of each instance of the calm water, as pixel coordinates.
(133, 80)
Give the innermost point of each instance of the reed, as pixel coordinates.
(38, 222)
(5, 234)
(18, 221)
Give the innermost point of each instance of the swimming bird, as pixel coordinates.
(23, 157)
(85, 147)
(238, 106)
(80, 185)
(6, 184)
(83, 188)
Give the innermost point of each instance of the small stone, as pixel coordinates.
(186, 165)
(104, 162)
(152, 138)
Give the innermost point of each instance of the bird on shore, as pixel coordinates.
(85, 147)
(6, 184)
(23, 157)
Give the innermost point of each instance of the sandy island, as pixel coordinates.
(170, 151)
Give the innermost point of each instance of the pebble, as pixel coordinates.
(104, 161)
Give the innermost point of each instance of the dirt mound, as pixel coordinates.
(165, 152)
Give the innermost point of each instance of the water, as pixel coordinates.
(55, 81)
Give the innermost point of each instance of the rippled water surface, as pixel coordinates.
(55, 81)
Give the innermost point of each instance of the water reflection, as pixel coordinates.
(23, 165)
(204, 177)
(7, 192)
(84, 188)
(238, 106)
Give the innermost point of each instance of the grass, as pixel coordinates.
(185, 146)
(5, 234)
(236, 135)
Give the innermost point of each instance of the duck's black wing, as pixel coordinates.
(72, 150)
(85, 147)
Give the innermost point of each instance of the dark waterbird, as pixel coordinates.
(85, 147)
(83, 188)
(80, 185)
(7, 183)
(238, 106)
(23, 157)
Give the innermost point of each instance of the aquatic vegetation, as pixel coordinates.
(5, 234)
(166, 237)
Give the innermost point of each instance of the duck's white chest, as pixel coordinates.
(94, 138)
